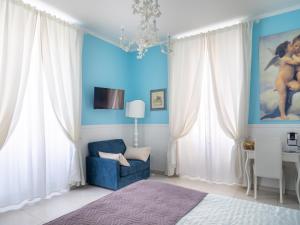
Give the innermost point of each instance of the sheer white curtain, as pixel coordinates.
(210, 151)
(40, 158)
(206, 152)
(17, 31)
(61, 53)
(231, 94)
(186, 71)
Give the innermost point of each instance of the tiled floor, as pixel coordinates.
(47, 210)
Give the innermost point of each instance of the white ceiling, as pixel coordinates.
(104, 18)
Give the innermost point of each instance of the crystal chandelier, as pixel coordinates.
(147, 35)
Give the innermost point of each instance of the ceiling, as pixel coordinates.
(104, 18)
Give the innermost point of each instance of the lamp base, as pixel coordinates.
(135, 134)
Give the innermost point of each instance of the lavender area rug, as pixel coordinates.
(142, 203)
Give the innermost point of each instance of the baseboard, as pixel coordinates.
(158, 172)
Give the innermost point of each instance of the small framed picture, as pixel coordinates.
(158, 99)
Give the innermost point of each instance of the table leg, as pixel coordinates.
(298, 180)
(247, 174)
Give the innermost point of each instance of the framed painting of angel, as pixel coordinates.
(279, 59)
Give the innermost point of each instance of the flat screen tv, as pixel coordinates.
(107, 98)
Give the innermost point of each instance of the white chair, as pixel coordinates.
(268, 161)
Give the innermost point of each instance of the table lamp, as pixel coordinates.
(135, 109)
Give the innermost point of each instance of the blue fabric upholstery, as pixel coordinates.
(124, 181)
(111, 146)
(102, 172)
(135, 166)
(108, 173)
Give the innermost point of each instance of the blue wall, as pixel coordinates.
(267, 26)
(105, 65)
(150, 73)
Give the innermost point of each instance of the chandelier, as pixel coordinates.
(148, 34)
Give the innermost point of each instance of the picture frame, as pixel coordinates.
(273, 105)
(158, 99)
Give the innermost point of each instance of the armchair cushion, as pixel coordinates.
(138, 153)
(118, 157)
(135, 167)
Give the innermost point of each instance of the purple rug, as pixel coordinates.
(142, 203)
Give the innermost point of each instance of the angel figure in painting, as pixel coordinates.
(294, 85)
(287, 57)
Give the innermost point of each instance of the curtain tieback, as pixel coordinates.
(238, 141)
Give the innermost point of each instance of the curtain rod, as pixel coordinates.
(217, 26)
(212, 28)
(52, 16)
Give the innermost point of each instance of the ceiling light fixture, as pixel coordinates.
(148, 34)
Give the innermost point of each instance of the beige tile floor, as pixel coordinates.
(47, 210)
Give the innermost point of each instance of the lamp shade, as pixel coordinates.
(135, 109)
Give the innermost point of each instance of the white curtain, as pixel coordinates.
(40, 157)
(205, 153)
(231, 94)
(61, 53)
(17, 31)
(185, 74)
(211, 149)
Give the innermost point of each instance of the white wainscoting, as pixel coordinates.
(157, 136)
(154, 135)
(280, 131)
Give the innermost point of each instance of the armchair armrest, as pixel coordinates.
(102, 172)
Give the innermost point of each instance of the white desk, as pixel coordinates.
(286, 157)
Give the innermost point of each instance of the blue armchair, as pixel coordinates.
(109, 173)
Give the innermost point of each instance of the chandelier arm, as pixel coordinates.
(148, 36)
